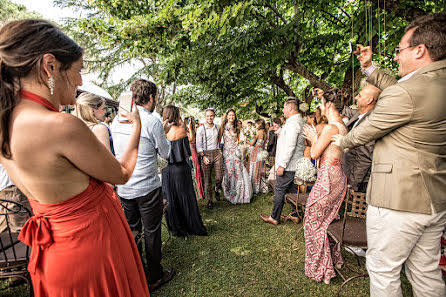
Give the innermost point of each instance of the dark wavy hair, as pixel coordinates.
(337, 96)
(171, 113)
(141, 90)
(225, 121)
(23, 44)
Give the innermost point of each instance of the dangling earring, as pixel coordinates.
(51, 84)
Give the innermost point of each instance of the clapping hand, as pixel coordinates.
(309, 133)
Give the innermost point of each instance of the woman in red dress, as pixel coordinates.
(81, 242)
(191, 135)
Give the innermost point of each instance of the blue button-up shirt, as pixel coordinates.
(152, 142)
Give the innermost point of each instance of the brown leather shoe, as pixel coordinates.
(295, 220)
(167, 276)
(269, 219)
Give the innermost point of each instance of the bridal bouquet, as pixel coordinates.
(304, 107)
(305, 171)
(249, 133)
(262, 156)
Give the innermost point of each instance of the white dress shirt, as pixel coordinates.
(152, 142)
(290, 144)
(207, 140)
(5, 181)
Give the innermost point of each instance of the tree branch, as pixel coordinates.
(276, 12)
(407, 11)
(297, 67)
(280, 82)
(334, 17)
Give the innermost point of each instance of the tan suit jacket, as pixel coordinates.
(409, 126)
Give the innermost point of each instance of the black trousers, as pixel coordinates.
(147, 211)
(283, 185)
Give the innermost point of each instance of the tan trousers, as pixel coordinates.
(215, 165)
(396, 238)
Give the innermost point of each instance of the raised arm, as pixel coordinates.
(319, 143)
(161, 142)
(393, 109)
(83, 149)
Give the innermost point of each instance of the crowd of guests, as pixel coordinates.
(95, 178)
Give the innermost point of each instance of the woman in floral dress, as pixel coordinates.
(327, 193)
(256, 164)
(236, 184)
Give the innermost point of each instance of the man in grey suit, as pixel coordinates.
(406, 193)
(357, 162)
(290, 148)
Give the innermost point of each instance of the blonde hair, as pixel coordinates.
(85, 104)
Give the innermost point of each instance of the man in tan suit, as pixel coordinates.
(407, 189)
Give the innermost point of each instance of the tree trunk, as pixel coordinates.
(347, 84)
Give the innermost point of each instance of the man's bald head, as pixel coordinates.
(367, 97)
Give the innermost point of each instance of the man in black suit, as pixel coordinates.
(358, 161)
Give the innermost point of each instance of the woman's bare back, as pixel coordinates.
(333, 152)
(50, 154)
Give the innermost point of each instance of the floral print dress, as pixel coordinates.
(236, 183)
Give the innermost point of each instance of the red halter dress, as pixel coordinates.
(83, 246)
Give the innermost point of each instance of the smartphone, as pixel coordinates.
(125, 106)
(350, 47)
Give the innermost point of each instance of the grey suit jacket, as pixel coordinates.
(409, 126)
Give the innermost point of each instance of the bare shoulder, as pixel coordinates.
(176, 132)
(67, 123)
(330, 129)
(100, 128)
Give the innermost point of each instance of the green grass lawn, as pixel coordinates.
(242, 256)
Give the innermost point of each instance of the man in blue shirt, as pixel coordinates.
(141, 196)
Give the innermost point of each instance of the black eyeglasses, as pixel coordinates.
(399, 50)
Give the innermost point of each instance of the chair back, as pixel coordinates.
(356, 205)
(12, 251)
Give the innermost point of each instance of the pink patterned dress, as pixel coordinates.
(236, 184)
(256, 168)
(322, 208)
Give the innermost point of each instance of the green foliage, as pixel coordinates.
(238, 53)
(12, 11)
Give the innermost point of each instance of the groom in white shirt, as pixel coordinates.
(290, 148)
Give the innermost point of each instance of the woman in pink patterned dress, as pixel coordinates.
(328, 192)
(256, 166)
(236, 183)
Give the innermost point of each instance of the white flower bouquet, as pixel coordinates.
(249, 132)
(304, 107)
(305, 171)
(262, 156)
